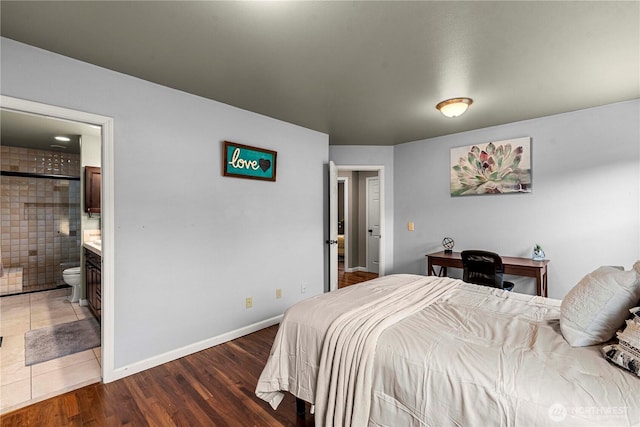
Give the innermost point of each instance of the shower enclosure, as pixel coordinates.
(40, 218)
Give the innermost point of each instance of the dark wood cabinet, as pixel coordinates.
(92, 182)
(93, 269)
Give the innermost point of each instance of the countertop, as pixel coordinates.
(94, 247)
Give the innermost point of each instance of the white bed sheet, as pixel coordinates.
(475, 357)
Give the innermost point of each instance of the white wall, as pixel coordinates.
(584, 209)
(90, 147)
(350, 155)
(190, 244)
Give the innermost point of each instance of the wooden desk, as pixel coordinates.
(512, 265)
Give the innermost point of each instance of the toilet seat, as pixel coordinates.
(72, 270)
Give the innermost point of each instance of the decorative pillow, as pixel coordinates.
(627, 352)
(597, 306)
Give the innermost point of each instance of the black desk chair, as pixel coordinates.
(484, 268)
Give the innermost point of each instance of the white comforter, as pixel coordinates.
(457, 354)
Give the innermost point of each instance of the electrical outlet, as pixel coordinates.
(278, 293)
(249, 302)
(303, 288)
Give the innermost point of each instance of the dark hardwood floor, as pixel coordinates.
(347, 279)
(214, 387)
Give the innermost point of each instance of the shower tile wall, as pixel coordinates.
(40, 217)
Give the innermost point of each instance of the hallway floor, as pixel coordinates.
(22, 385)
(351, 278)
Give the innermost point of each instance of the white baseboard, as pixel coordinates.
(354, 269)
(151, 362)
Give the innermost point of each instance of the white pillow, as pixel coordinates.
(597, 306)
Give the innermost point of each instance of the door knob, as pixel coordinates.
(332, 242)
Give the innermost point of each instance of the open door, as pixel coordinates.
(373, 225)
(332, 241)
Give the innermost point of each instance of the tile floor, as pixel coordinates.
(22, 385)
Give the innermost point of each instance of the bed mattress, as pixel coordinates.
(460, 354)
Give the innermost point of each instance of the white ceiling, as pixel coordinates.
(364, 72)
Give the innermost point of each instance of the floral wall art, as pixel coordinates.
(492, 168)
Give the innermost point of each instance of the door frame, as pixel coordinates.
(345, 199)
(107, 211)
(380, 170)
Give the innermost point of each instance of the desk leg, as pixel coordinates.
(432, 272)
(541, 282)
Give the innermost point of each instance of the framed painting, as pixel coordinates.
(243, 161)
(492, 168)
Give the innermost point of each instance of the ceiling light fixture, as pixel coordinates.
(62, 138)
(454, 107)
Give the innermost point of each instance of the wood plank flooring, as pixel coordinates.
(214, 387)
(348, 279)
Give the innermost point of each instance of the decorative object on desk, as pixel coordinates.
(538, 253)
(243, 161)
(492, 168)
(448, 242)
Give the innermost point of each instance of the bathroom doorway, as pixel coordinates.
(95, 365)
(41, 165)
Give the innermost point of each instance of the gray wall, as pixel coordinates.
(584, 208)
(190, 244)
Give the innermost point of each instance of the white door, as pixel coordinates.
(373, 225)
(333, 227)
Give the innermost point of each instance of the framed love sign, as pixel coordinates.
(243, 161)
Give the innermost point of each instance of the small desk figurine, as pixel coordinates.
(538, 253)
(447, 242)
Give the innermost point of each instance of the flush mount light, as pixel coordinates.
(62, 138)
(454, 107)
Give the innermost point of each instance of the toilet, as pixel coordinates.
(71, 276)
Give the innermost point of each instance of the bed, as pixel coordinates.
(409, 350)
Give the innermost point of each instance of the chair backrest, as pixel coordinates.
(482, 268)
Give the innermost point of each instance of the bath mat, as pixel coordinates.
(61, 340)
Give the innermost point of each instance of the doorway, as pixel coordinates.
(41, 184)
(105, 353)
(354, 224)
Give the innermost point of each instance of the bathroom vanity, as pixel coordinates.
(93, 271)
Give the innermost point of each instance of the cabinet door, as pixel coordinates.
(98, 293)
(92, 182)
(91, 286)
(93, 277)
